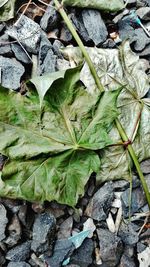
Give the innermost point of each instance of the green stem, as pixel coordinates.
(79, 42)
(121, 131)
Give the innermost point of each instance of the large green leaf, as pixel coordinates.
(109, 5)
(50, 148)
(120, 67)
(7, 9)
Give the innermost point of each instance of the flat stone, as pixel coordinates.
(12, 71)
(18, 264)
(143, 13)
(5, 49)
(83, 255)
(46, 58)
(100, 202)
(77, 20)
(111, 247)
(128, 234)
(20, 252)
(137, 202)
(3, 221)
(63, 250)
(27, 32)
(43, 233)
(95, 26)
(50, 19)
(145, 166)
(20, 54)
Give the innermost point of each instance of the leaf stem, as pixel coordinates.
(79, 42)
(121, 131)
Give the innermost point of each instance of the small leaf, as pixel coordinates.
(7, 9)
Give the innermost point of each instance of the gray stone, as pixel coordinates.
(5, 49)
(101, 202)
(148, 2)
(18, 264)
(94, 25)
(145, 166)
(20, 252)
(79, 25)
(141, 40)
(65, 34)
(14, 230)
(2, 26)
(145, 52)
(43, 233)
(140, 247)
(111, 247)
(46, 58)
(83, 255)
(50, 18)
(137, 202)
(57, 45)
(2, 258)
(126, 262)
(126, 31)
(20, 54)
(143, 13)
(27, 32)
(3, 221)
(128, 234)
(121, 184)
(63, 250)
(65, 228)
(12, 71)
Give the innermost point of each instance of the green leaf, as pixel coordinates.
(115, 68)
(109, 5)
(50, 149)
(7, 8)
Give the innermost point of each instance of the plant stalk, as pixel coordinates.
(121, 131)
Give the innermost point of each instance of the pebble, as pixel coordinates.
(27, 32)
(111, 247)
(126, 261)
(65, 34)
(43, 233)
(20, 54)
(14, 230)
(20, 252)
(5, 49)
(50, 19)
(128, 234)
(100, 202)
(65, 228)
(94, 25)
(18, 264)
(137, 202)
(83, 255)
(12, 71)
(145, 166)
(3, 221)
(62, 251)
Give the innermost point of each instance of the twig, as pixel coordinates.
(24, 50)
(24, 11)
(34, 4)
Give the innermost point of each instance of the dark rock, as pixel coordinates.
(109, 43)
(43, 233)
(18, 264)
(141, 40)
(140, 247)
(27, 32)
(94, 25)
(12, 71)
(128, 234)
(65, 34)
(57, 45)
(20, 54)
(63, 250)
(137, 202)
(79, 25)
(126, 262)
(110, 247)
(121, 184)
(14, 230)
(65, 228)
(83, 255)
(126, 31)
(20, 252)
(143, 13)
(50, 18)
(2, 259)
(12, 204)
(5, 49)
(3, 221)
(2, 26)
(22, 214)
(47, 59)
(145, 166)
(101, 202)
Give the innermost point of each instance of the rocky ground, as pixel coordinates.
(103, 230)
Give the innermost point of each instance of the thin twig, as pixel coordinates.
(24, 11)
(24, 50)
(34, 4)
